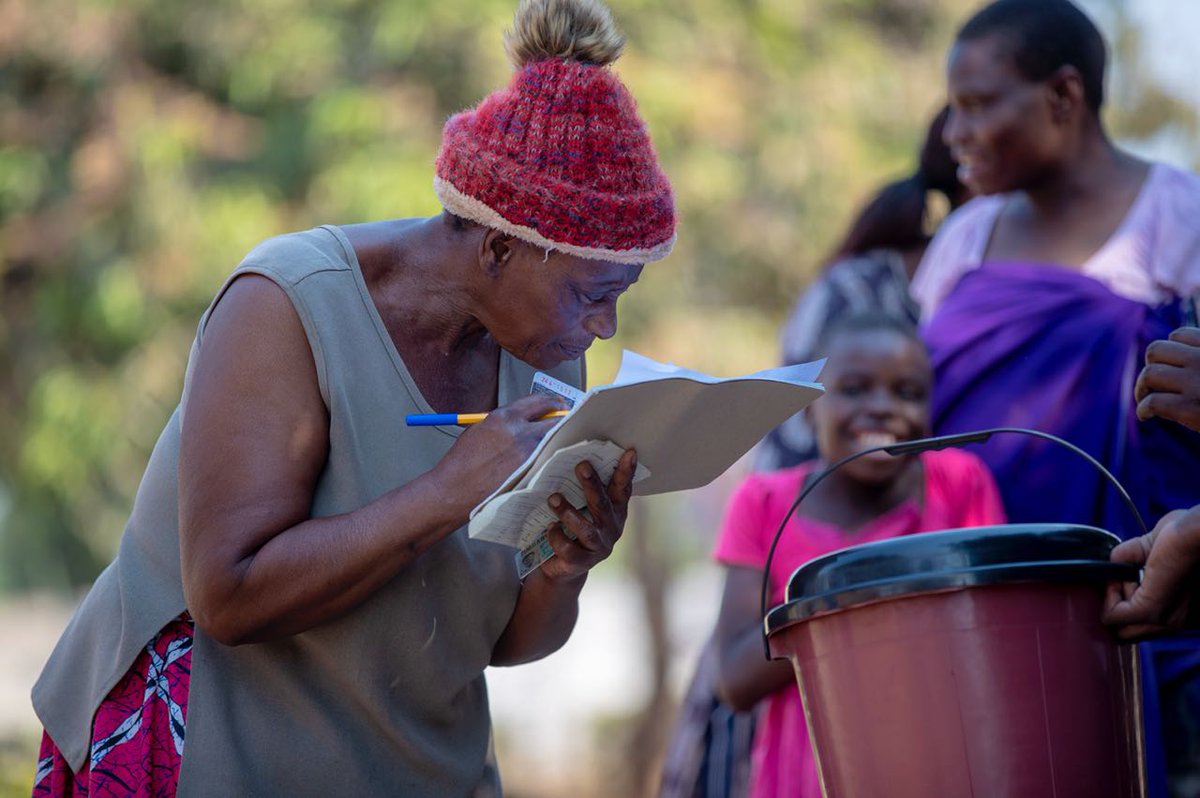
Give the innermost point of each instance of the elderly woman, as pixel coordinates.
(295, 595)
(1040, 297)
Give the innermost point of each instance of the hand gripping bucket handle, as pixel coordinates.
(914, 447)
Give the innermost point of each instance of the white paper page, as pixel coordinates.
(686, 430)
(639, 368)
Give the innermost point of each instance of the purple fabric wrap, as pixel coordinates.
(1040, 346)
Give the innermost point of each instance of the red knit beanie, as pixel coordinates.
(560, 159)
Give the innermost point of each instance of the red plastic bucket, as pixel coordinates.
(965, 663)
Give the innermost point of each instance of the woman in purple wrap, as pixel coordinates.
(1040, 296)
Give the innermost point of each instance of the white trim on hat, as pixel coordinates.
(468, 207)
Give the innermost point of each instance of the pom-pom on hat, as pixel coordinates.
(560, 159)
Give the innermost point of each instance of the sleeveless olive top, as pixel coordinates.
(387, 700)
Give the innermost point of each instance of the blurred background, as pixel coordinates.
(145, 146)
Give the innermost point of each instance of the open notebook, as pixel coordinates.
(687, 427)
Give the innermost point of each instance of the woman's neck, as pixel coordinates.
(419, 274)
(1072, 212)
(1096, 170)
(851, 504)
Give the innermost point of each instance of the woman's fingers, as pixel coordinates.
(578, 527)
(599, 507)
(572, 557)
(1168, 557)
(1186, 335)
(582, 539)
(1159, 377)
(1134, 551)
(1169, 385)
(530, 414)
(1181, 348)
(620, 487)
(486, 453)
(1172, 407)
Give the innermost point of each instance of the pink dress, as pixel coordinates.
(959, 492)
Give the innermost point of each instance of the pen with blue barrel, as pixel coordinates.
(458, 419)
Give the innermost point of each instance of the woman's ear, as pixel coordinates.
(1067, 95)
(496, 250)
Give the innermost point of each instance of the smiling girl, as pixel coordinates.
(878, 382)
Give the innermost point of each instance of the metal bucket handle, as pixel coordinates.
(914, 447)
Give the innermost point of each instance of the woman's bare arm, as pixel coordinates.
(254, 441)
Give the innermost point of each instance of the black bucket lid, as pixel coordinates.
(956, 558)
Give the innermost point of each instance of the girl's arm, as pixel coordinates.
(744, 675)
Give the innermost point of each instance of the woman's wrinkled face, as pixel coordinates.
(877, 392)
(1001, 128)
(547, 310)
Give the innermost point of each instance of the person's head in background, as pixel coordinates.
(1026, 84)
(898, 216)
(878, 382)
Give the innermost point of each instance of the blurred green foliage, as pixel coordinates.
(145, 146)
(18, 760)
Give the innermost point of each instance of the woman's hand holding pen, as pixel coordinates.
(1169, 385)
(580, 542)
(489, 451)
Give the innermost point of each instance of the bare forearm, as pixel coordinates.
(745, 676)
(545, 615)
(321, 568)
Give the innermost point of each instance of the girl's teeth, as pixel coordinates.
(876, 439)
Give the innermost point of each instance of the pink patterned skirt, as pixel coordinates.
(137, 734)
